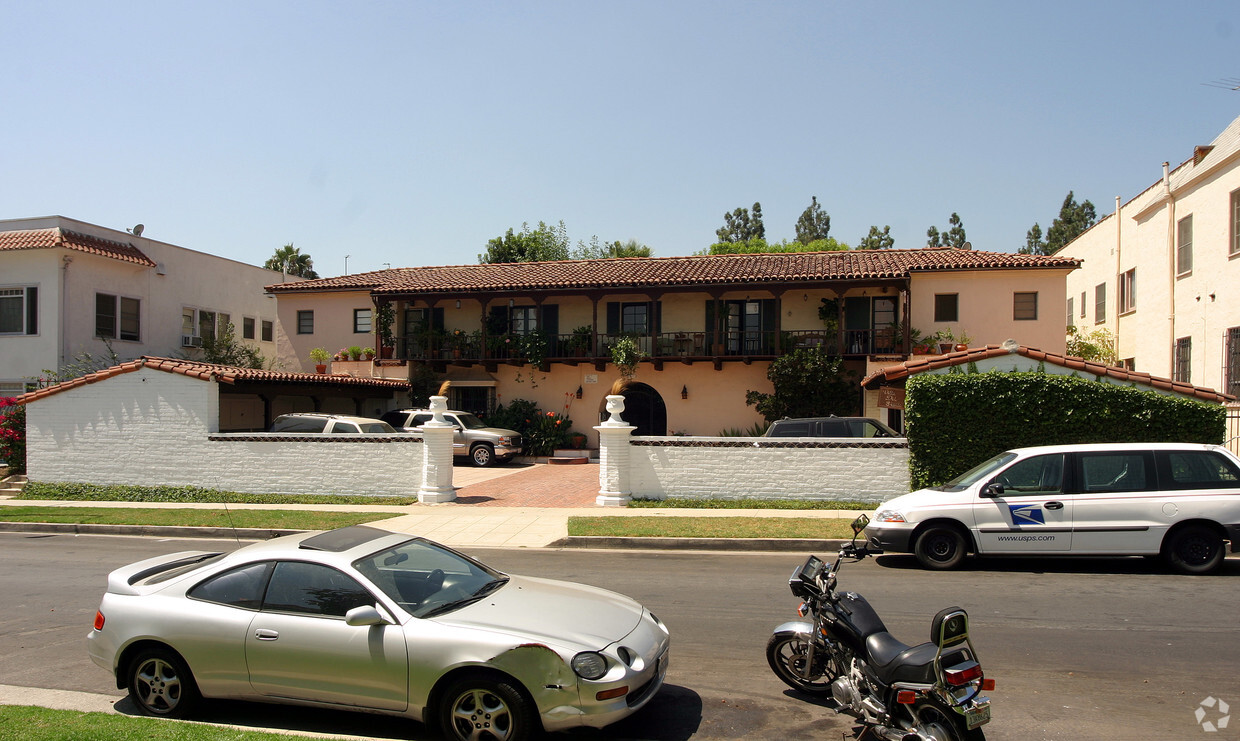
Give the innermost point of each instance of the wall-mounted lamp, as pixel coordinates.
(579, 392)
(458, 303)
(511, 303)
(805, 297)
(684, 392)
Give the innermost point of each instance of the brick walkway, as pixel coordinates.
(537, 485)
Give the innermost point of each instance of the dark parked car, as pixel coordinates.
(830, 427)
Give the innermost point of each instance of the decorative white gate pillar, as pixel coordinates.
(437, 456)
(613, 444)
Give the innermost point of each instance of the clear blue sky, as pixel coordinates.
(410, 133)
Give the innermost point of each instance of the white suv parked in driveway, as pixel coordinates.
(1177, 501)
(473, 438)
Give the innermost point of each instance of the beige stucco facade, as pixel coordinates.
(67, 282)
(1196, 309)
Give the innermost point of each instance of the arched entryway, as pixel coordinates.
(644, 409)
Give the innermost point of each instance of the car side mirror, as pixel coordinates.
(364, 615)
(992, 490)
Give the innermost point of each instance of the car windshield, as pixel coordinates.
(980, 471)
(427, 579)
(470, 422)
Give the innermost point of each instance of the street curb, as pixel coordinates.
(699, 544)
(162, 531)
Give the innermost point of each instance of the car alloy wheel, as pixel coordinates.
(481, 709)
(482, 455)
(160, 684)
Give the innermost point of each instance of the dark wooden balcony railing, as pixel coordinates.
(665, 345)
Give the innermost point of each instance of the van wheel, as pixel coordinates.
(940, 547)
(482, 455)
(1194, 549)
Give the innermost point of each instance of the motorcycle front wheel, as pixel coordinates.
(936, 721)
(786, 653)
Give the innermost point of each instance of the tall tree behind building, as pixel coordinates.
(529, 245)
(742, 226)
(877, 240)
(953, 237)
(814, 223)
(292, 261)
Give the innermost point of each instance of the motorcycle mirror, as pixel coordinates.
(859, 524)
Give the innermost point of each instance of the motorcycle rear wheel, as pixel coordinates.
(938, 722)
(786, 653)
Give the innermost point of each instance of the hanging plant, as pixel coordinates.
(625, 355)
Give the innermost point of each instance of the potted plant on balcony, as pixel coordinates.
(580, 342)
(355, 352)
(320, 356)
(368, 353)
(534, 348)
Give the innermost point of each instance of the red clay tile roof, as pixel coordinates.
(40, 239)
(701, 270)
(213, 372)
(922, 363)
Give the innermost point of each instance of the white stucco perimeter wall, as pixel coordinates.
(153, 428)
(758, 468)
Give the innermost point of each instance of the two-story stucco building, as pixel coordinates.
(1161, 272)
(68, 287)
(708, 326)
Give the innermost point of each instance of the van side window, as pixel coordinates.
(299, 424)
(791, 429)
(1039, 475)
(1117, 471)
(1181, 469)
(339, 427)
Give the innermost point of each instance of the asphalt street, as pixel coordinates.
(1081, 649)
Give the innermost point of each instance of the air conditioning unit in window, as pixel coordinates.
(189, 340)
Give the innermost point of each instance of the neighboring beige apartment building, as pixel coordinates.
(709, 326)
(66, 286)
(1162, 273)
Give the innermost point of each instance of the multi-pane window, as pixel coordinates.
(19, 310)
(117, 317)
(268, 330)
(1082, 304)
(1100, 303)
(1071, 316)
(634, 318)
(305, 321)
(247, 328)
(361, 321)
(206, 324)
(1128, 291)
(1025, 305)
(1184, 246)
(1183, 359)
(1234, 242)
(524, 319)
(946, 307)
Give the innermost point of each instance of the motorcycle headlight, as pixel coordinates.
(589, 665)
(889, 515)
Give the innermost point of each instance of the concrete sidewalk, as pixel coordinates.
(519, 506)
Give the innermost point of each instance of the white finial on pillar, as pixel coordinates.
(615, 405)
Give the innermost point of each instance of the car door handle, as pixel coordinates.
(263, 634)
(1053, 505)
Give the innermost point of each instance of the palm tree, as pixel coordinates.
(290, 260)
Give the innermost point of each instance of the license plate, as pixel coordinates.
(977, 715)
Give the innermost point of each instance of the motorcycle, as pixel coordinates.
(842, 650)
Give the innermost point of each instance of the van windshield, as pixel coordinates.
(980, 471)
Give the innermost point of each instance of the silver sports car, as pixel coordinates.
(367, 619)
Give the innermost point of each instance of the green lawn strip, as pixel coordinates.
(245, 518)
(748, 504)
(191, 494)
(710, 527)
(24, 723)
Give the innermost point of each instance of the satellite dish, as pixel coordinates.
(137, 230)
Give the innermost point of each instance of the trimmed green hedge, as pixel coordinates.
(958, 420)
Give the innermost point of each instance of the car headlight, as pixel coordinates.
(589, 665)
(505, 441)
(889, 515)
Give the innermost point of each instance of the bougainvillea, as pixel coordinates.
(13, 434)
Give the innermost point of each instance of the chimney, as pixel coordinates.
(1200, 152)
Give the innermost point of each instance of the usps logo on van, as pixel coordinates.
(1027, 514)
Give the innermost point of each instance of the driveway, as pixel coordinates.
(527, 485)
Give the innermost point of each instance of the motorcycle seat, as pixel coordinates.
(895, 661)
